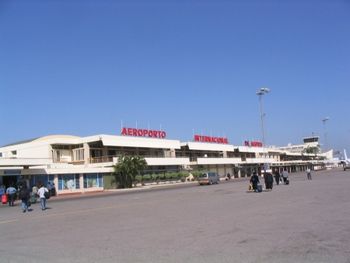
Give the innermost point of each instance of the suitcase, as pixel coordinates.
(4, 199)
(259, 188)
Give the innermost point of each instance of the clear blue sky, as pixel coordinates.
(80, 67)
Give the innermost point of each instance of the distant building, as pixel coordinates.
(310, 145)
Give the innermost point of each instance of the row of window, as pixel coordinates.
(13, 154)
(70, 181)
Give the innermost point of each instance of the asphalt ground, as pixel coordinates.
(306, 221)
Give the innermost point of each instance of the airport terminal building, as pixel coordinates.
(82, 164)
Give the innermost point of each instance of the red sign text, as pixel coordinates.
(253, 143)
(143, 133)
(200, 138)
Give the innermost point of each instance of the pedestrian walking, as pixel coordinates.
(308, 174)
(24, 195)
(285, 176)
(254, 181)
(268, 180)
(42, 192)
(11, 192)
(277, 176)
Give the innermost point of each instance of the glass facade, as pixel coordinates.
(68, 182)
(41, 179)
(93, 180)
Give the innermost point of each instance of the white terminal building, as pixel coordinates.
(82, 164)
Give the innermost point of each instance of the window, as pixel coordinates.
(14, 153)
(68, 182)
(41, 179)
(0, 154)
(112, 152)
(78, 154)
(93, 180)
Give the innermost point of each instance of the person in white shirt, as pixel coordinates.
(11, 192)
(308, 173)
(41, 192)
(285, 176)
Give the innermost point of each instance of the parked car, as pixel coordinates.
(209, 178)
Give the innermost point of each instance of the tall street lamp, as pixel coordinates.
(324, 120)
(261, 92)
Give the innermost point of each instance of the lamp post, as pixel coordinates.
(261, 92)
(324, 120)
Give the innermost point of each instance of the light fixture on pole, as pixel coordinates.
(261, 92)
(324, 120)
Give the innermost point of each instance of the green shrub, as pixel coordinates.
(138, 178)
(169, 176)
(196, 173)
(147, 177)
(155, 177)
(183, 175)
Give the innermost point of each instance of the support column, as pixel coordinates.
(86, 153)
(104, 152)
(172, 153)
(81, 183)
(55, 181)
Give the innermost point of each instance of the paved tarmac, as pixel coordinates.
(306, 221)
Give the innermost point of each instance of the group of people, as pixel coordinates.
(268, 178)
(26, 195)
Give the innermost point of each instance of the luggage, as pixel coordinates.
(4, 199)
(259, 188)
(250, 187)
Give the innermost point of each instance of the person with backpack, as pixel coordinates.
(24, 195)
(43, 194)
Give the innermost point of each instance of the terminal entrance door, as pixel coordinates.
(8, 180)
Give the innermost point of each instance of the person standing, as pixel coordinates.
(34, 194)
(11, 192)
(308, 173)
(35, 189)
(41, 192)
(24, 195)
(255, 180)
